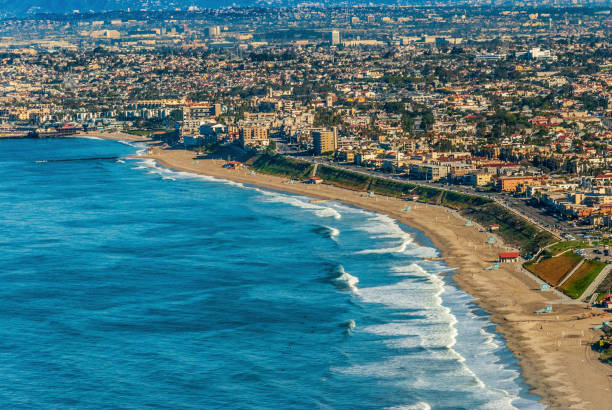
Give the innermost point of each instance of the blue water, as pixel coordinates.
(128, 285)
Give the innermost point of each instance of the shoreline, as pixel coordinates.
(553, 351)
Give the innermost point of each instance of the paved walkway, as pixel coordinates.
(595, 284)
(570, 273)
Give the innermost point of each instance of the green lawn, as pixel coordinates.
(563, 246)
(582, 278)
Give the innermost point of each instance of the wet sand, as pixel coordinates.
(553, 350)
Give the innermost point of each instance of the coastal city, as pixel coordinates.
(498, 113)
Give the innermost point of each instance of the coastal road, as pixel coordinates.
(518, 207)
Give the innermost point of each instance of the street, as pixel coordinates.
(538, 216)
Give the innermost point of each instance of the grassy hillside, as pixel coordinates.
(552, 270)
(514, 229)
(582, 278)
(280, 165)
(343, 178)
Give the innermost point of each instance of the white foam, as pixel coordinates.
(436, 328)
(350, 325)
(421, 405)
(89, 137)
(168, 174)
(346, 280)
(383, 227)
(300, 202)
(436, 331)
(489, 339)
(142, 147)
(333, 233)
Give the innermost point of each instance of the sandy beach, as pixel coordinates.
(111, 136)
(553, 350)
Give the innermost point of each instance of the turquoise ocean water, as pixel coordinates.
(128, 285)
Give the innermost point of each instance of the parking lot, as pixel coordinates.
(598, 254)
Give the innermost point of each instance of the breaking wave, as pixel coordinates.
(344, 280)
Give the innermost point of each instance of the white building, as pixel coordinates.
(335, 38)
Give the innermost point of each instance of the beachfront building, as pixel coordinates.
(428, 172)
(324, 141)
(254, 137)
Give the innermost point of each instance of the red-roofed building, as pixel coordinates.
(603, 179)
(508, 256)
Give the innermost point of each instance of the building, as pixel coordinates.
(212, 133)
(213, 31)
(508, 256)
(253, 137)
(509, 184)
(428, 172)
(541, 55)
(325, 141)
(478, 178)
(334, 38)
(194, 115)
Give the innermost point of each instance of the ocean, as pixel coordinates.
(128, 285)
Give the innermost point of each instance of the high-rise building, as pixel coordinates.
(213, 31)
(253, 137)
(325, 141)
(335, 38)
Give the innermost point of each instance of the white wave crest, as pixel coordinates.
(489, 339)
(90, 137)
(346, 280)
(349, 325)
(416, 406)
(383, 227)
(142, 147)
(320, 211)
(333, 233)
(407, 240)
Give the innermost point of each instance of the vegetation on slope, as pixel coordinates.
(514, 229)
(343, 178)
(281, 165)
(582, 278)
(553, 269)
